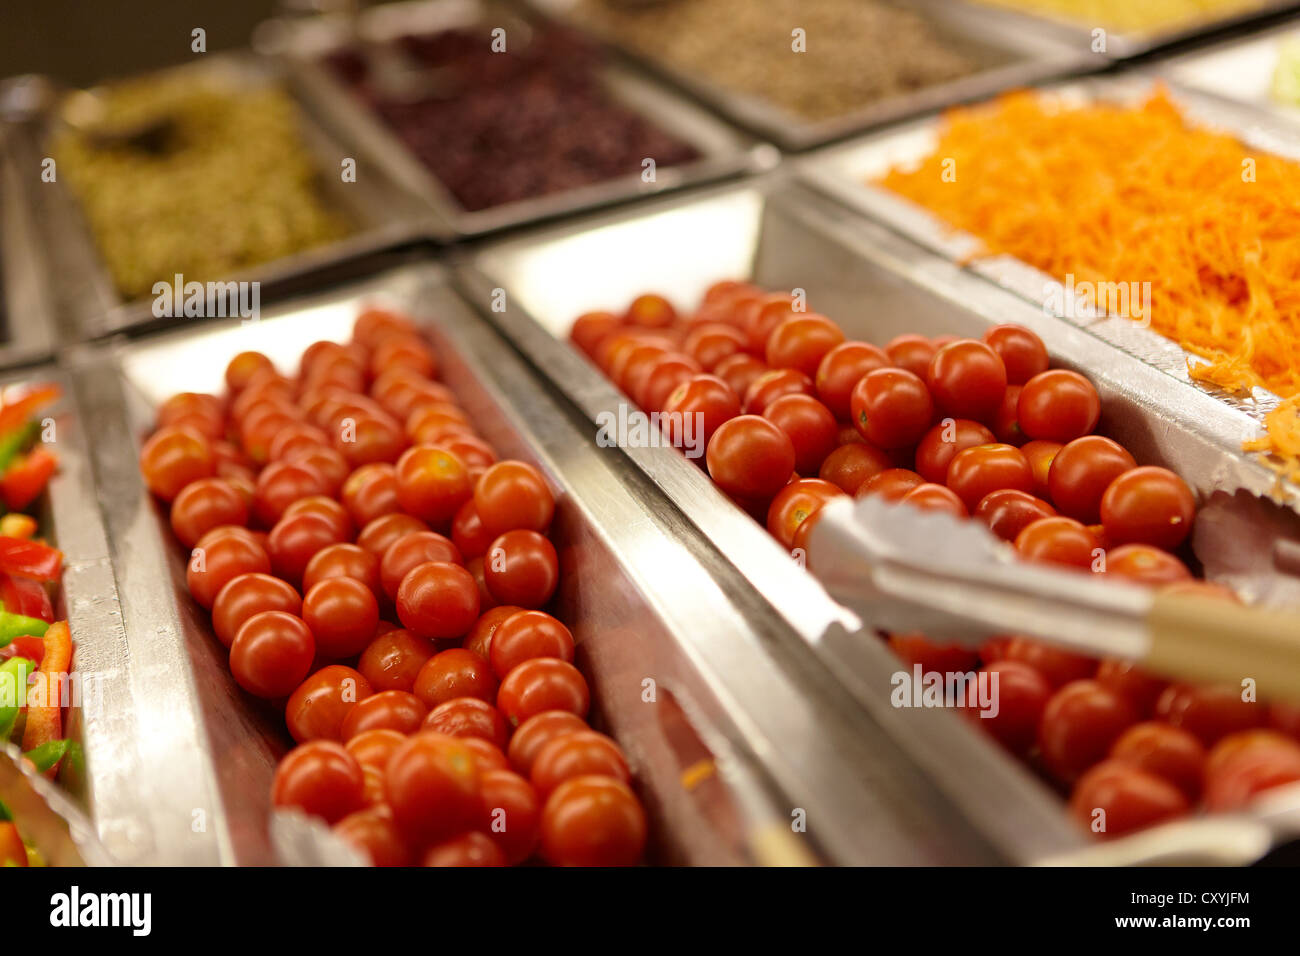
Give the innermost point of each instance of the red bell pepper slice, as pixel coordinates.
(16, 412)
(30, 559)
(12, 850)
(25, 596)
(25, 479)
(25, 645)
(44, 708)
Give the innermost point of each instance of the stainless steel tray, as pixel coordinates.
(725, 152)
(104, 781)
(876, 284)
(1240, 69)
(87, 299)
(646, 596)
(843, 172)
(1120, 45)
(26, 309)
(1011, 58)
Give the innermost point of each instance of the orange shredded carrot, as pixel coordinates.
(1136, 194)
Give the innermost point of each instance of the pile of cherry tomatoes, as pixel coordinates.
(795, 415)
(321, 508)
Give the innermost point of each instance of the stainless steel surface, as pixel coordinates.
(1119, 45)
(101, 720)
(26, 306)
(86, 298)
(724, 152)
(1239, 69)
(647, 598)
(846, 173)
(49, 821)
(876, 285)
(1009, 58)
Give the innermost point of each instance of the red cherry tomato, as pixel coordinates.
(891, 408)
(535, 732)
(172, 458)
(250, 594)
(455, 673)
(1146, 565)
(1082, 471)
(469, 717)
(1115, 798)
(1058, 540)
(796, 503)
(370, 492)
(438, 600)
(1148, 505)
(771, 385)
(911, 352)
(1007, 512)
(513, 494)
(271, 654)
(342, 614)
(593, 821)
(387, 710)
(468, 849)
(739, 372)
(373, 832)
(479, 639)
(932, 656)
(967, 380)
(1040, 455)
(280, 484)
(750, 458)
(1021, 694)
(526, 635)
(580, 754)
(801, 341)
(1057, 665)
(1080, 724)
(393, 659)
(848, 466)
(515, 813)
(695, 410)
(320, 778)
(409, 552)
(295, 540)
(433, 786)
(218, 560)
(342, 561)
(1210, 713)
(372, 748)
(841, 368)
(979, 471)
(892, 484)
(810, 426)
(942, 442)
(1022, 352)
(1133, 684)
(521, 567)
(931, 497)
(431, 484)
(1166, 752)
(543, 683)
(1058, 405)
(378, 536)
(317, 709)
(206, 504)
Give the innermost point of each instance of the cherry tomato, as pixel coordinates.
(1021, 694)
(892, 484)
(479, 639)
(467, 532)
(911, 352)
(932, 656)
(1232, 782)
(455, 673)
(1133, 684)
(526, 635)
(967, 379)
(373, 832)
(378, 536)
(1080, 724)
(1148, 505)
(342, 561)
(513, 494)
(320, 778)
(271, 654)
(941, 443)
(979, 471)
(515, 811)
(1007, 512)
(650, 311)
(1040, 455)
(1082, 471)
(172, 458)
(1229, 747)
(280, 484)
(342, 613)
(295, 540)
(840, 369)
(489, 755)
(468, 849)
(406, 351)
(810, 426)
(387, 710)
(738, 372)
(931, 497)
(796, 503)
(1167, 752)
(1058, 405)
(469, 717)
(891, 408)
(432, 484)
(370, 492)
(590, 327)
(1115, 798)
(243, 367)
(665, 376)
(432, 783)
(372, 748)
(771, 385)
(543, 683)
(392, 660)
(593, 821)
(848, 466)
(709, 343)
(535, 732)
(1146, 565)
(583, 753)
(322, 702)
(695, 410)
(1056, 664)
(216, 561)
(1210, 713)
(1058, 540)
(762, 316)
(206, 504)
(410, 551)
(1022, 352)
(250, 594)
(521, 567)
(750, 458)
(438, 600)
(801, 341)
(1006, 420)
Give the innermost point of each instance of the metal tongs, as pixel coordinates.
(47, 818)
(903, 569)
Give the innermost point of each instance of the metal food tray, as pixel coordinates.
(645, 595)
(87, 299)
(782, 235)
(1240, 69)
(1012, 58)
(725, 152)
(1119, 45)
(102, 779)
(26, 309)
(844, 172)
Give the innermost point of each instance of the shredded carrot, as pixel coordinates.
(1109, 193)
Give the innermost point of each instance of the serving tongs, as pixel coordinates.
(907, 570)
(46, 817)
